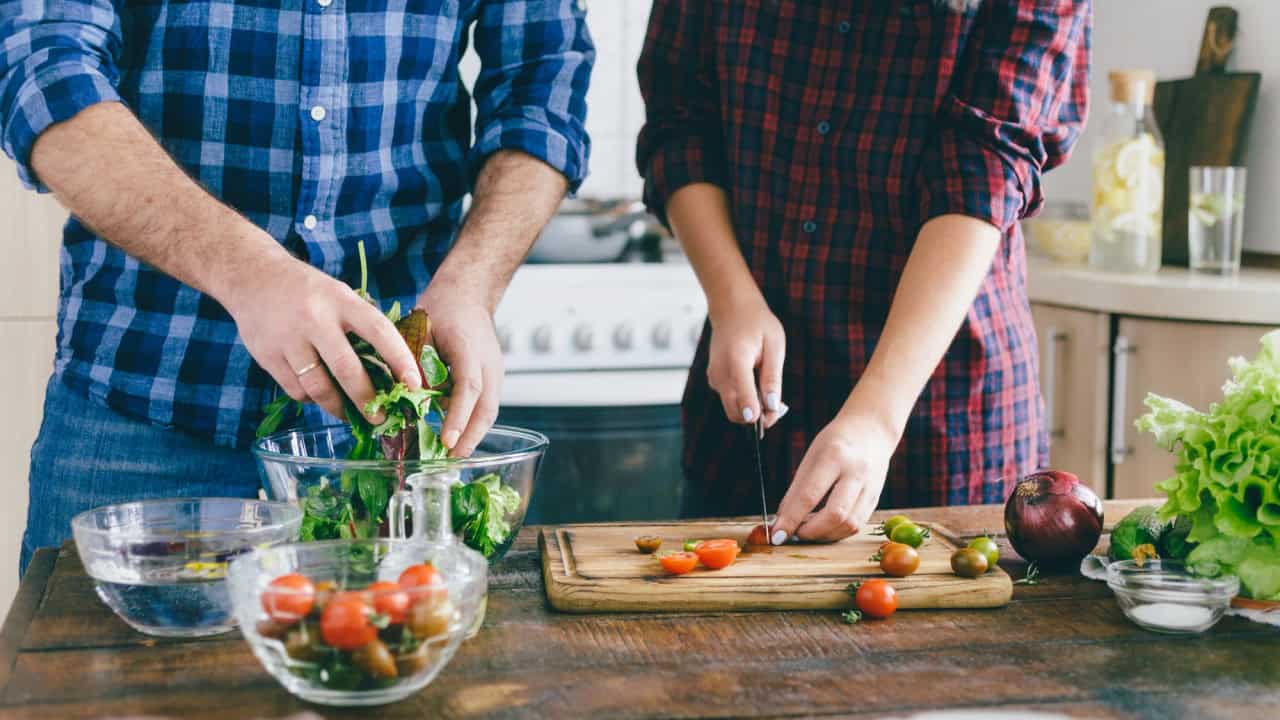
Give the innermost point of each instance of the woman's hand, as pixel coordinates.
(746, 337)
(846, 464)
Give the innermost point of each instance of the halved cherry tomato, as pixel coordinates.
(759, 535)
(346, 623)
(678, 563)
(391, 600)
(876, 598)
(718, 553)
(423, 581)
(289, 598)
(899, 560)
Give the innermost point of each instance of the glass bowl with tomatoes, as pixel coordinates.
(357, 622)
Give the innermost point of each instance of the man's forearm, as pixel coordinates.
(111, 173)
(515, 195)
(952, 255)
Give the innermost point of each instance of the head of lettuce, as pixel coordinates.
(1227, 472)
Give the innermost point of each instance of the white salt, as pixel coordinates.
(1172, 615)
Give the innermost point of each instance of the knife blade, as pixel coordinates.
(757, 434)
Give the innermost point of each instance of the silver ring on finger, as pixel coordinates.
(309, 367)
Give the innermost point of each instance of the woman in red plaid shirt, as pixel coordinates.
(846, 179)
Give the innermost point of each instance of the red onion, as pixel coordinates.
(1052, 519)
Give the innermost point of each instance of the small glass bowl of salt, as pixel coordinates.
(1160, 595)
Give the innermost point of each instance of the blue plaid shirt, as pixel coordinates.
(325, 122)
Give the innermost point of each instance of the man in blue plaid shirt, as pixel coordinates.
(221, 160)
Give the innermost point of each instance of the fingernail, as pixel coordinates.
(782, 412)
(772, 401)
(450, 438)
(413, 382)
(779, 537)
(748, 414)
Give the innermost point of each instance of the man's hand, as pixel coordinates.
(515, 195)
(294, 320)
(462, 331)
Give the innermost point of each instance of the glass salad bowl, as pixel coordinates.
(1161, 596)
(349, 498)
(367, 621)
(161, 564)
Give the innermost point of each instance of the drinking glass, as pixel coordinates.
(1215, 220)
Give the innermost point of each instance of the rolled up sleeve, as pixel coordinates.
(681, 142)
(57, 57)
(1017, 105)
(536, 58)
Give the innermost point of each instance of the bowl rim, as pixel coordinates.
(80, 524)
(539, 444)
(1184, 582)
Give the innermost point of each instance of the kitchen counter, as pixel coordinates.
(1061, 647)
(1172, 293)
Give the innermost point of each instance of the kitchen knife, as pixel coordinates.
(757, 433)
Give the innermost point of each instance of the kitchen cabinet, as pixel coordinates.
(1182, 360)
(1074, 366)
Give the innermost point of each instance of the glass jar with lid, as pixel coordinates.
(1128, 180)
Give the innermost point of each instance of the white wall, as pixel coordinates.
(1164, 35)
(29, 234)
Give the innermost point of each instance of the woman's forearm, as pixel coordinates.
(699, 215)
(952, 255)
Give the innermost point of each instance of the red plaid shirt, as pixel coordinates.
(838, 128)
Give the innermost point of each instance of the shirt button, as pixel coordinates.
(844, 27)
(317, 113)
(824, 127)
(809, 226)
(309, 222)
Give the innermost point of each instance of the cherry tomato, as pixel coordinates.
(968, 562)
(345, 623)
(987, 547)
(423, 581)
(391, 600)
(876, 598)
(375, 659)
(648, 543)
(289, 598)
(908, 533)
(759, 535)
(717, 554)
(678, 563)
(894, 522)
(430, 618)
(899, 560)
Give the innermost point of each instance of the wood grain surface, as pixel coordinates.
(596, 568)
(1061, 647)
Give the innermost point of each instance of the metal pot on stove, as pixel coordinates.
(587, 231)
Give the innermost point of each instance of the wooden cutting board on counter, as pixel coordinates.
(597, 569)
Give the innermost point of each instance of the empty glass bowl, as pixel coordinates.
(307, 467)
(161, 564)
(1160, 595)
(330, 635)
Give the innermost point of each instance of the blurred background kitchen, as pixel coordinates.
(599, 327)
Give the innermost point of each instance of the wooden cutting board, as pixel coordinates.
(597, 569)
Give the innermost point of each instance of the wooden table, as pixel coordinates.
(1060, 647)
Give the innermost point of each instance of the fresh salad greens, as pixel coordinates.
(356, 506)
(1226, 480)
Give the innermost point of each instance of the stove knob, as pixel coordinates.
(695, 334)
(582, 338)
(662, 335)
(542, 339)
(504, 339)
(623, 337)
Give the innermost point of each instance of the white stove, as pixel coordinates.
(599, 334)
(596, 358)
